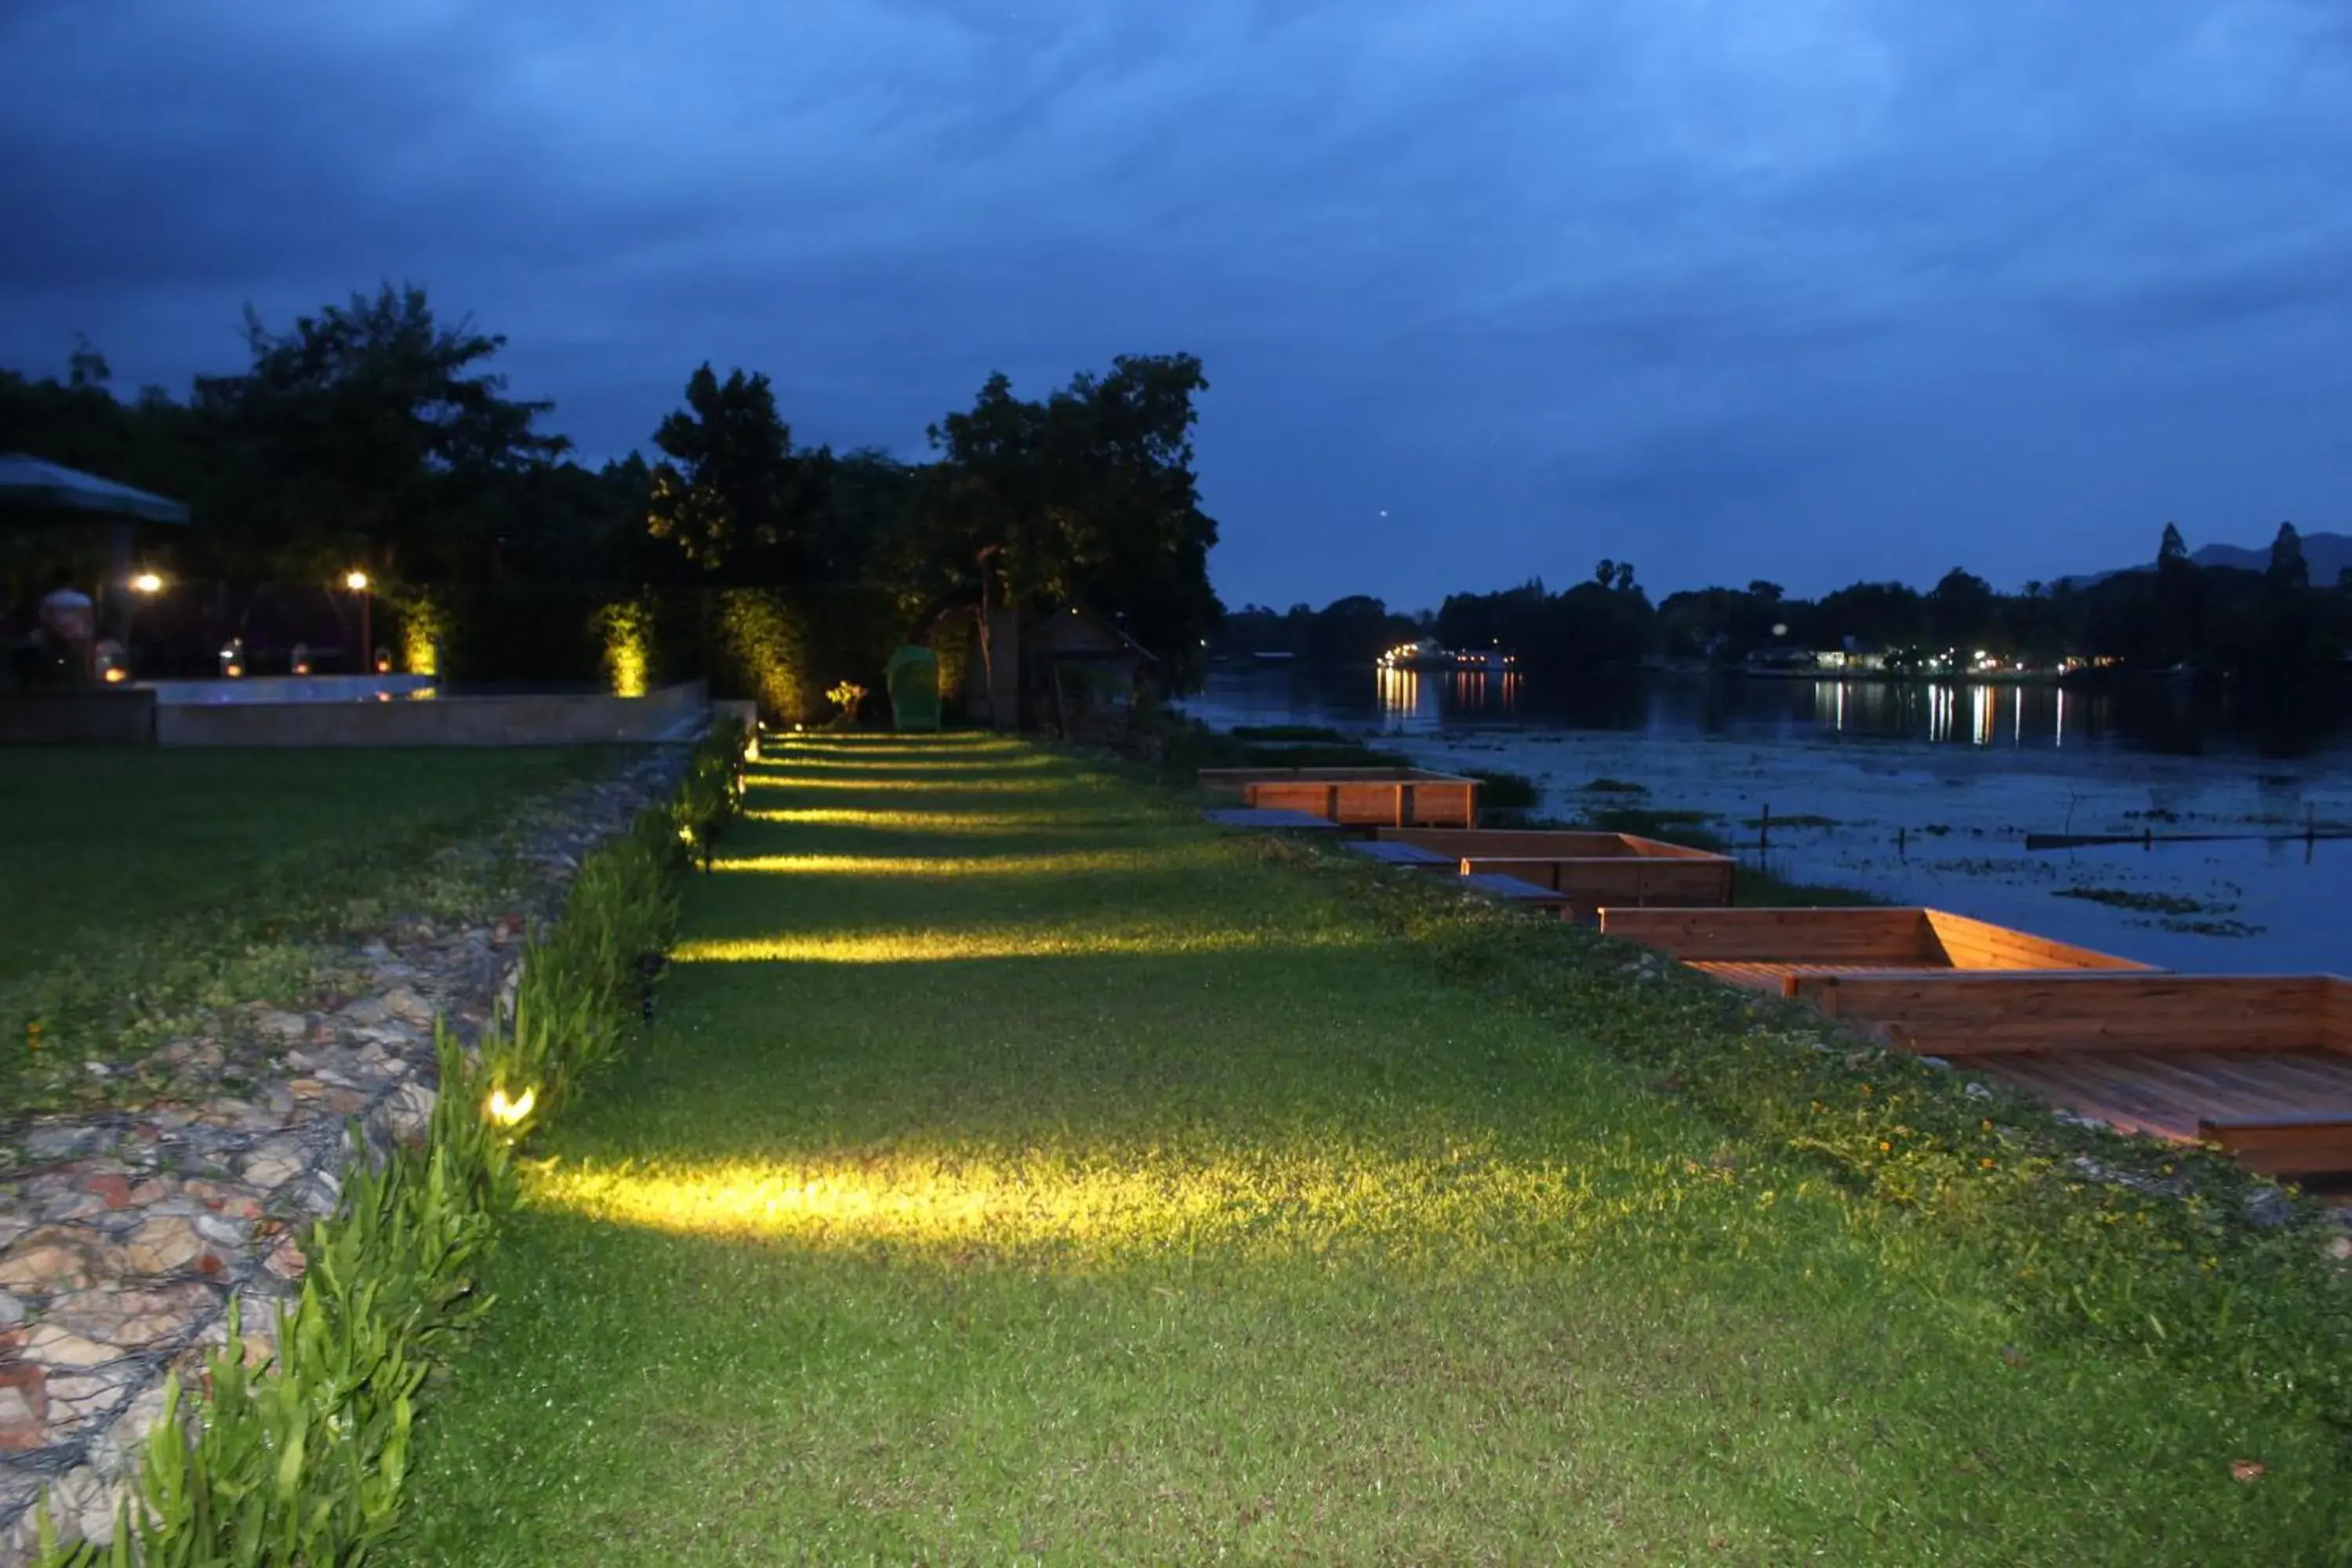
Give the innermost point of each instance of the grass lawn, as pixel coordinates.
(1019, 1172)
(127, 872)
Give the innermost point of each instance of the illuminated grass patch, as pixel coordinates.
(1189, 1214)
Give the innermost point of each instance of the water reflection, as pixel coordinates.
(1413, 700)
(2159, 717)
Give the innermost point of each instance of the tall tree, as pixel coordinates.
(2288, 571)
(732, 497)
(2178, 635)
(1088, 496)
(371, 433)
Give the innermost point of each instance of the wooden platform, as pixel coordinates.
(1264, 820)
(1770, 949)
(1590, 871)
(2260, 1066)
(1365, 797)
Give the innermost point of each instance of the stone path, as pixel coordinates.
(123, 1234)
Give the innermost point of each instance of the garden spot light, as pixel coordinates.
(148, 582)
(356, 581)
(507, 1112)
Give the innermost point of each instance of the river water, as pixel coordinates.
(1919, 793)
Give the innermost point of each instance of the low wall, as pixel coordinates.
(672, 714)
(82, 718)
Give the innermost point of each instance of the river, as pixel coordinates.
(1919, 793)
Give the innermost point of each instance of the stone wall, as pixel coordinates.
(123, 1234)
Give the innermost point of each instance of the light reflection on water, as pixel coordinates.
(1929, 792)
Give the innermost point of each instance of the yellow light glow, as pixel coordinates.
(959, 823)
(888, 784)
(116, 675)
(148, 582)
(1416, 1204)
(932, 946)
(508, 1112)
(1126, 861)
(356, 582)
(234, 670)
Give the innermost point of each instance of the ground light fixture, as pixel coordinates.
(147, 582)
(508, 1112)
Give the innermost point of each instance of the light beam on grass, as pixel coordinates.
(1102, 860)
(941, 822)
(1312, 1195)
(896, 785)
(996, 942)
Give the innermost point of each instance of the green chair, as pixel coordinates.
(913, 678)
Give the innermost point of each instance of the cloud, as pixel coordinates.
(1747, 276)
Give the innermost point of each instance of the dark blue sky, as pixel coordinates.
(1810, 290)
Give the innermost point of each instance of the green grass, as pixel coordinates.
(1019, 1172)
(136, 884)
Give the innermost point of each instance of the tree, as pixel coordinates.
(731, 497)
(366, 433)
(1768, 593)
(1088, 496)
(1960, 610)
(2180, 632)
(2288, 572)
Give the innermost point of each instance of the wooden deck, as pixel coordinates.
(1366, 797)
(1589, 871)
(1772, 949)
(2261, 1065)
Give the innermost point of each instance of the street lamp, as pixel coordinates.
(148, 582)
(357, 581)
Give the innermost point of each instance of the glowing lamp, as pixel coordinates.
(507, 1112)
(116, 675)
(148, 582)
(356, 582)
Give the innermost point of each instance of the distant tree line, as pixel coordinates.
(2274, 624)
(372, 435)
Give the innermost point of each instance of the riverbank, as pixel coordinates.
(1040, 1174)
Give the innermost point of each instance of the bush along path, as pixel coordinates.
(221, 1310)
(1019, 1170)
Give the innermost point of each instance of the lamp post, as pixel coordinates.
(357, 581)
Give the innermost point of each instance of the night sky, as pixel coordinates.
(1804, 290)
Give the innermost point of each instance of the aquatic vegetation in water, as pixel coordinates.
(2146, 903)
(1615, 786)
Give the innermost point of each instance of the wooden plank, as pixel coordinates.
(1895, 938)
(2281, 1113)
(1981, 1011)
(1979, 944)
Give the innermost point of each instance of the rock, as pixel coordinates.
(2267, 1208)
(62, 1142)
(53, 1346)
(22, 1429)
(409, 1112)
(50, 1260)
(2340, 1248)
(164, 1245)
(273, 1165)
(12, 1309)
(289, 1027)
(405, 1005)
